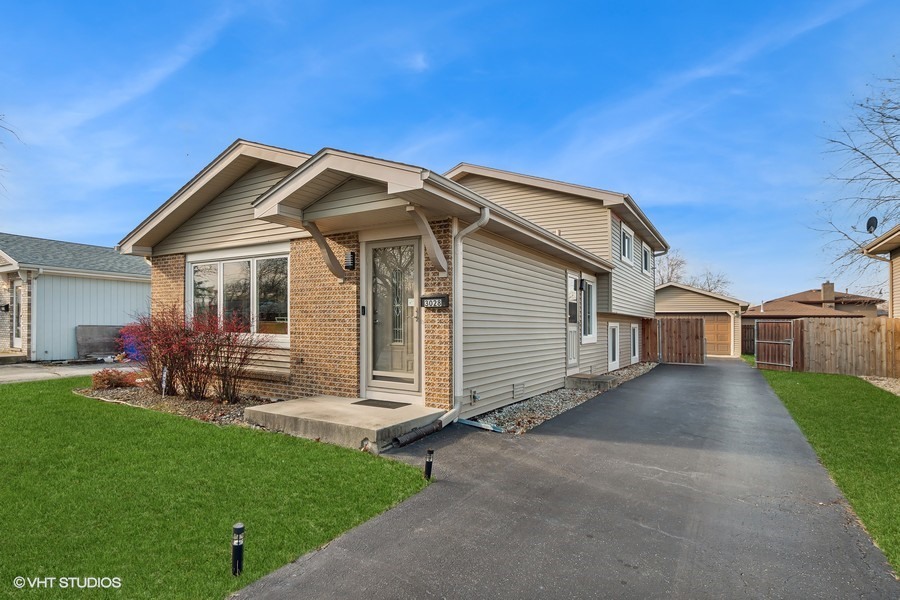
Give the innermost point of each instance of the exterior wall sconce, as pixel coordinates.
(4, 308)
(350, 261)
(581, 285)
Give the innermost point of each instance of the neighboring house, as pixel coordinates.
(48, 288)
(889, 244)
(721, 314)
(381, 280)
(826, 297)
(786, 309)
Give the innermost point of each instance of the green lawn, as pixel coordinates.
(854, 427)
(749, 359)
(91, 489)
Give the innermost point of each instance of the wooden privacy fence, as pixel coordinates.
(679, 340)
(778, 344)
(748, 337)
(848, 346)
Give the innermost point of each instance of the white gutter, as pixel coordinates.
(453, 414)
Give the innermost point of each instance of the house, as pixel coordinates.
(384, 281)
(721, 314)
(889, 244)
(827, 297)
(48, 288)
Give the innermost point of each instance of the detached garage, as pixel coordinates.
(721, 315)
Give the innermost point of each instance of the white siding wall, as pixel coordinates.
(227, 221)
(633, 292)
(514, 323)
(61, 303)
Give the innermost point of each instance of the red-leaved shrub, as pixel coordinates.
(108, 379)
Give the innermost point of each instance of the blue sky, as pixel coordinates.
(710, 114)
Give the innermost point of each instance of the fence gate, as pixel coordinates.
(774, 345)
(681, 340)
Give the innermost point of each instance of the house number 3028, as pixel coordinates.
(435, 302)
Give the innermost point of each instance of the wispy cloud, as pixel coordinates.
(45, 124)
(416, 62)
(666, 105)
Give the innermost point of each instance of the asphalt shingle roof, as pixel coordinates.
(786, 309)
(39, 252)
(815, 297)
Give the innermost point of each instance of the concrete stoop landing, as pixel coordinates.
(340, 421)
(590, 381)
(11, 358)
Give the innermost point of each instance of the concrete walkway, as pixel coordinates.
(41, 371)
(689, 482)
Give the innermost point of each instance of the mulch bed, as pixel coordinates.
(208, 411)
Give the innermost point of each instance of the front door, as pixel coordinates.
(394, 334)
(17, 314)
(572, 324)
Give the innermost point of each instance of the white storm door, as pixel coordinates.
(572, 334)
(394, 334)
(17, 314)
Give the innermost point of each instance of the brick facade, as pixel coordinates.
(325, 322)
(167, 283)
(5, 317)
(438, 368)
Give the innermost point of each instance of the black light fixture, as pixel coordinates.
(350, 261)
(429, 461)
(237, 549)
(581, 285)
(4, 308)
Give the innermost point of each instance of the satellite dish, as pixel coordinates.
(871, 224)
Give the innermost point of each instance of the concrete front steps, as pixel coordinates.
(590, 381)
(342, 421)
(12, 358)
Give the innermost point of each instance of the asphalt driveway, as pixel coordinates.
(689, 482)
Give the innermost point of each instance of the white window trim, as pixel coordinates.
(646, 248)
(630, 257)
(635, 341)
(232, 255)
(592, 338)
(613, 364)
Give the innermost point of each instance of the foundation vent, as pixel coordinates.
(518, 390)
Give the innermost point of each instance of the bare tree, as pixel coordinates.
(870, 174)
(5, 129)
(711, 281)
(671, 267)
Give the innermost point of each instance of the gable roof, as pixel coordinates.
(623, 205)
(215, 178)
(786, 309)
(26, 252)
(884, 243)
(286, 201)
(690, 288)
(815, 297)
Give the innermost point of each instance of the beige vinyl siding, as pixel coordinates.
(674, 299)
(581, 221)
(894, 305)
(353, 196)
(604, 298)
(514, 323)
(594, 358)
(227, 220)
(273, 360)
(633, 292)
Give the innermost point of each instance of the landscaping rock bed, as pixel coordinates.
(889, 384)
(208, 411)
(520, 417)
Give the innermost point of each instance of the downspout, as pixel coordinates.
(451, 415)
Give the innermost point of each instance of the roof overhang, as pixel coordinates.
(622, 205)
(885, 243)
(293, 200)
(48, 270)
(215, 178)
(743, 305)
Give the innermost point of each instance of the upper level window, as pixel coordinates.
(646, 259)
(626, 248)
(254, 291)
(588, 310)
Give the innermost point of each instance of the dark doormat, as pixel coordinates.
(381, 403)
